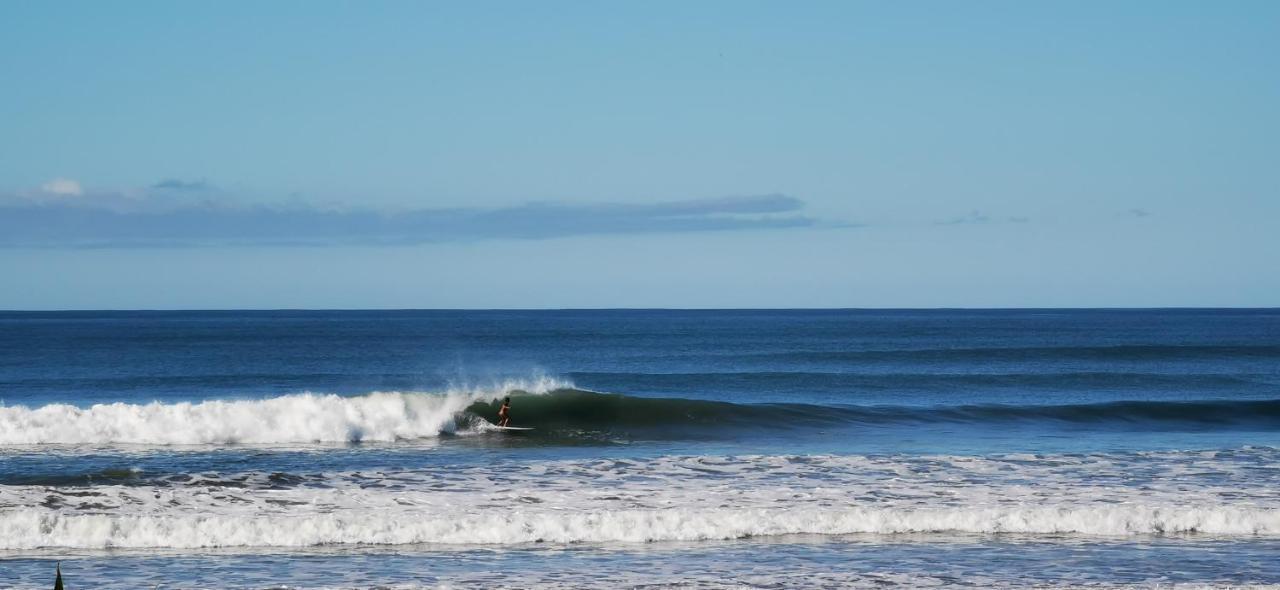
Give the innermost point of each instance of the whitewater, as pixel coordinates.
(300, 418)
(666, 499)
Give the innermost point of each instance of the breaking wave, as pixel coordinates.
(549, 405)
(298, 418)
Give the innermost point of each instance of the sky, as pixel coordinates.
(317, 154)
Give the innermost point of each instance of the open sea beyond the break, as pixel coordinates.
(704, 449)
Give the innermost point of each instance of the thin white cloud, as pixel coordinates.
(63, 187)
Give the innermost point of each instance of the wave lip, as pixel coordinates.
(297, 418)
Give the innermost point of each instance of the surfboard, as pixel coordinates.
(513, 428)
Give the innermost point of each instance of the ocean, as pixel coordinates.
(704, 449)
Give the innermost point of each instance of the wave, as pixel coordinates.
(592, 410)
(36, 529)
(297, 418)
(552, 407)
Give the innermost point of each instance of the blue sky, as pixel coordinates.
(656, 154)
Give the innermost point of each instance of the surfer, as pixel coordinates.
(504, 413)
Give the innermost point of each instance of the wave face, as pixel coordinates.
(665, 499)
(299, 418)
(592, 410)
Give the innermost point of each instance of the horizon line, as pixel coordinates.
(489, 309)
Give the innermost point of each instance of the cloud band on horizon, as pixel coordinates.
(150, 222)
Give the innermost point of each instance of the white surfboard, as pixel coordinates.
(513, 428)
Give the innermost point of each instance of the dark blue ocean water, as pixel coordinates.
(223, 449)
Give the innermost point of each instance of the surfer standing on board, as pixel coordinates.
(504, 413)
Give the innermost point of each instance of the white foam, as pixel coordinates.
(665, 499)
(299, 418)
(37, 529)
